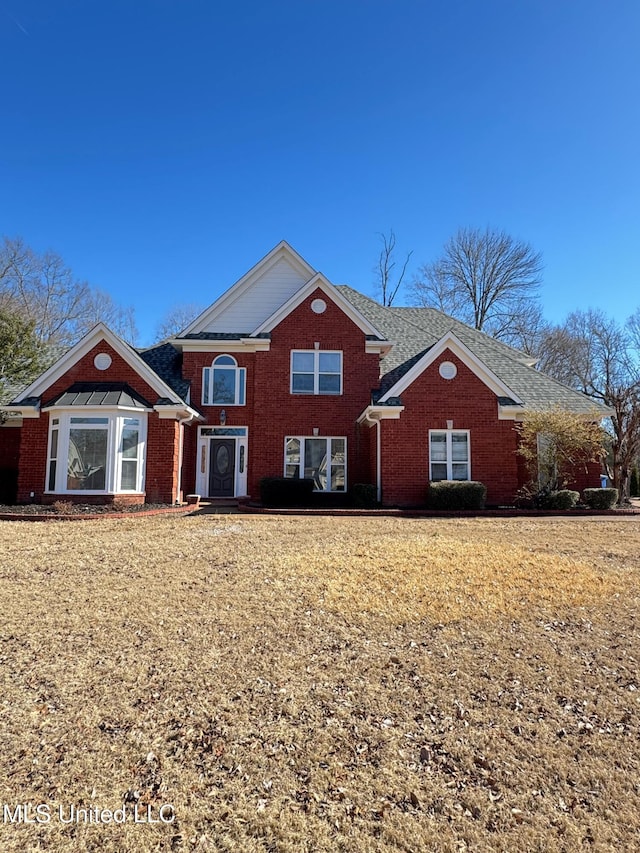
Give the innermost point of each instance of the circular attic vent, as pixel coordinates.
(448, 370)
(102, 361)
(318, 306)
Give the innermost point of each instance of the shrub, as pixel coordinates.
(562, 499)
(8, 485)
(62, 507)
(634, 485)
(285, 491)
(600, 498)
(456, 494)
(364, 495)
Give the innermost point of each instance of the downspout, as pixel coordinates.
(378, 461)
(181, 423)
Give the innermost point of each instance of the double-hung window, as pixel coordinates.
(224, 383)
(449, 457)
(323, 460)
(316, 371)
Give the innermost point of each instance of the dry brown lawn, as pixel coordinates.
(307, 684)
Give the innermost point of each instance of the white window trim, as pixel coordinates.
(449, 461)
(327, 438)
(207, 384)
(316, 372)
(114, 426)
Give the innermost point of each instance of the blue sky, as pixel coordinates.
(163, 146)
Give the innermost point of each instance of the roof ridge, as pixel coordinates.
(489, 338)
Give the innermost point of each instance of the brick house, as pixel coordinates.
(288, 375)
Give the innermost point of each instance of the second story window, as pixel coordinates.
(316, 372)
(223, 384)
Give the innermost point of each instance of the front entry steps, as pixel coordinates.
(222, 506)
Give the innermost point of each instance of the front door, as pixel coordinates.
(222, 467)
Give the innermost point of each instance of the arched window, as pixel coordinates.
(223, 384)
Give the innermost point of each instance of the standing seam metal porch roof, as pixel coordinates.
(100, 394)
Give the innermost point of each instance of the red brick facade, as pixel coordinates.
(162, 438)
(272, 412)
(429, 403)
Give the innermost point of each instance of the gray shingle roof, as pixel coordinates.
(415, 330)
(166, 361)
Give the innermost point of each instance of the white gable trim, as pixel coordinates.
(455, 345)
(85, 345)
(318, 282)
(282, 251)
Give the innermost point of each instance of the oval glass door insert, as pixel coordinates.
(222, 460)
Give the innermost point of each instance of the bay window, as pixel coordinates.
(96, 452)
(323, 460)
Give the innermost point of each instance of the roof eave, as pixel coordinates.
(373, 414)
(31, 411)
(177, 411)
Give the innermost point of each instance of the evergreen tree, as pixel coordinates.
(20, 352)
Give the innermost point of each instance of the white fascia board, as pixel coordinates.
(510, 413)
(231, 345)
(380, 413)
(453, 343)
(283, 249)
(318, 282)
(84, 346)
(22, 411)
(173, 412)
(381, 347)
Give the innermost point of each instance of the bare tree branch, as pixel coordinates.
(42, 288)
(596, 355)
(384, 269)
(176, 319)
(486, 279)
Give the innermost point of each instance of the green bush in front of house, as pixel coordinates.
(456, 495)
(363, 496)
(562, 499)
(600, 498)
(634, 486)
(286, 491)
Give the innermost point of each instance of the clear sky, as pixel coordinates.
(162, 147)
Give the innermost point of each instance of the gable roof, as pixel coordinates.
(319, 282)
(450, 342)
(416, 330)
(269, 283)
(164, 359)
